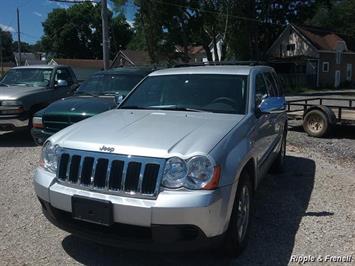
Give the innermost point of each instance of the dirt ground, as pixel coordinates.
(306, 211)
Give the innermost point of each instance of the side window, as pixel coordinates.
(63, 74)
(260, 89)
(270, 84)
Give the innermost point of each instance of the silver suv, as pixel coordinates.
(178, 161)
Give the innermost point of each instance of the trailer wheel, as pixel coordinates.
(316, 123)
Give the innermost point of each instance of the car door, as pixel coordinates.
(263, 126)
(274, 118)
(282, 117)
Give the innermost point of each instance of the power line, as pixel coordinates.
(202, 10)
(30, 35)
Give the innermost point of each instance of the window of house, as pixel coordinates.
(325, 67)
(338, 57)
(349, 72)
(291, 47)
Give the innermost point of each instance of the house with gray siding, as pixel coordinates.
(321, 57)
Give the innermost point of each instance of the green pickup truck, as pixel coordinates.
(98, 94)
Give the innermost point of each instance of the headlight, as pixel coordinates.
(49, 158)
(198, 172)
(11, 103)
(174, 173)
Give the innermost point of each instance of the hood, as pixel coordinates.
(159, 134)
(80, 105)
(16, 92)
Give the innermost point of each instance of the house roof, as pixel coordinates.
(192, 50)
(135, 57)
(321, 39)
(80, 63)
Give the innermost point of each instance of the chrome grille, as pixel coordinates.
(131, 176)
(58, 122)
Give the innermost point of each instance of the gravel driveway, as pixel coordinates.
(308, 210)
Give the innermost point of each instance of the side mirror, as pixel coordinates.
(272, 105)
(119, 99)
(61, 83)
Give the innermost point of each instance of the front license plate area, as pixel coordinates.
(92, 210)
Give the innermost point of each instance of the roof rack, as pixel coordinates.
(222, 63)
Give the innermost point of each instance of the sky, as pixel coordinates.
(33, 13)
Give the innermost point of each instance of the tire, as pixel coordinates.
(316, 123)
(238, 229)
(278, 165)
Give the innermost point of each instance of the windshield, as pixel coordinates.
(191, 92)
(105, 84)
(30, 77)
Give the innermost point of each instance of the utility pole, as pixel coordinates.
(104, 19)
(1, 64)
(105, 40)
(18, 36)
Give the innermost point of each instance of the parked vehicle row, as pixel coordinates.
(175, 165)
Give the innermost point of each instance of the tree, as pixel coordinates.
(156, 28)
(6, 44)
(337, 16)
(248, 27)
(25, 47)
(121, 34)
(76, 32)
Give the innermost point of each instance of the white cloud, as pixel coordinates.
(58, 4)
(109, 6)
(61, 5)
(7, 28)
(37, 14)
(130, 23)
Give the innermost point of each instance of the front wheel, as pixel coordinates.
(237, 234)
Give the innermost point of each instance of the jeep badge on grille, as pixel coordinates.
(108, 149)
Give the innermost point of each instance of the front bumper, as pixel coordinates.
(207, 211)
(154, 238)
(12, 122)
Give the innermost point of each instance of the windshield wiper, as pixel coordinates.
(108, 93)
(86, 93)
(177, 108)
(133, 107)
(22, 84)
(3, 84)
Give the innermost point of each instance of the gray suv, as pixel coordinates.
(178, 162)
(28, 89)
